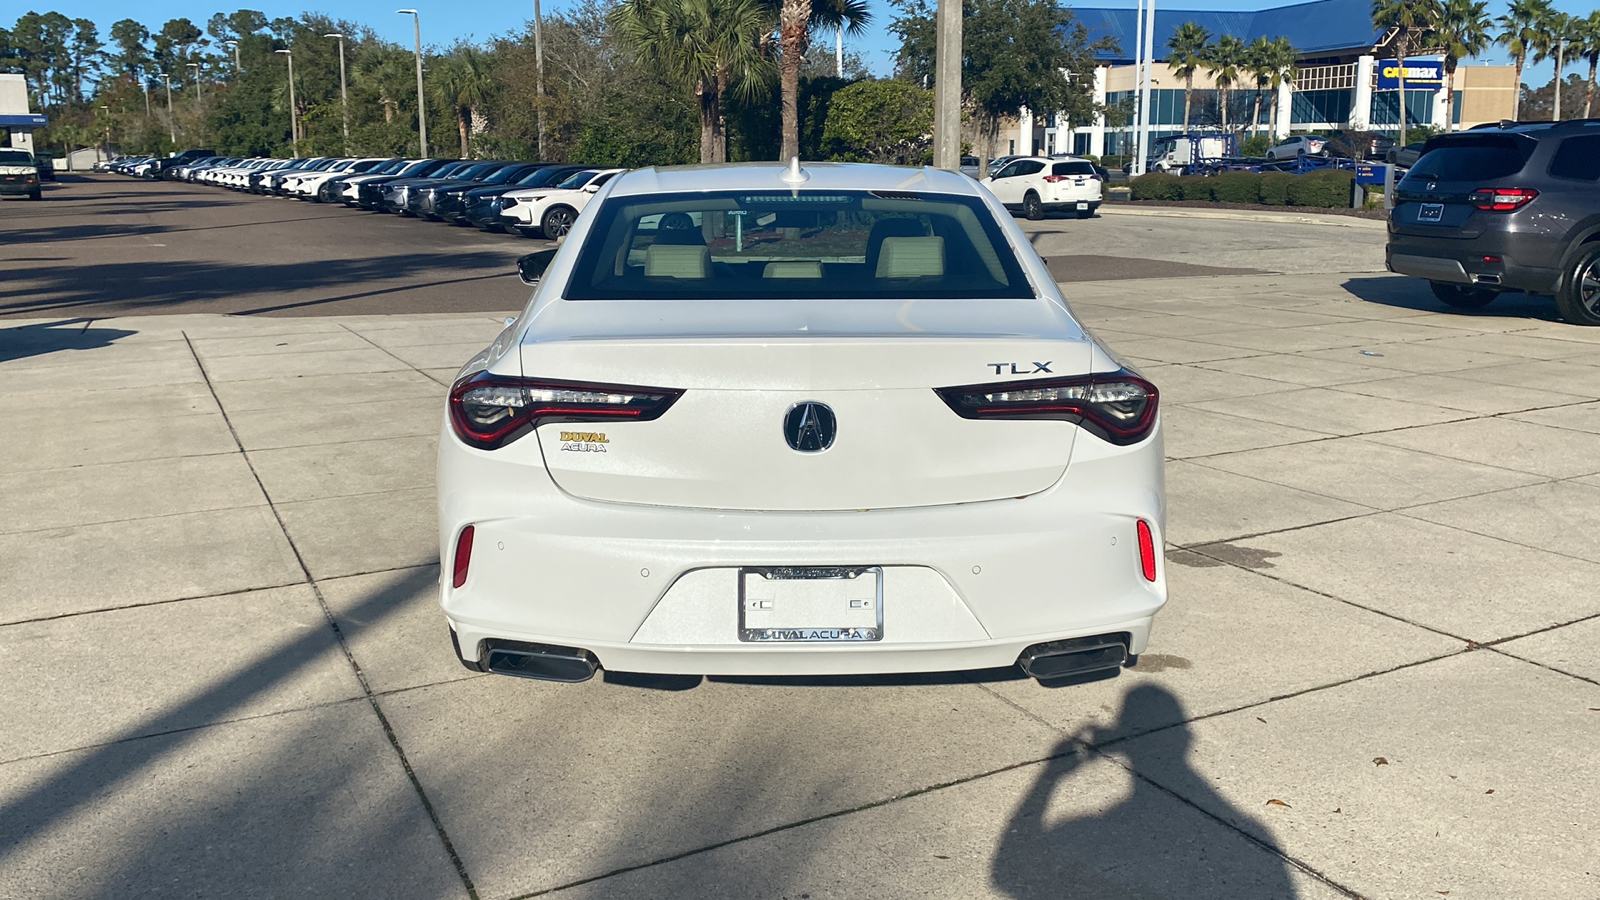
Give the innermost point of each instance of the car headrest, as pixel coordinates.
(676, 261)
(911, 257)
(799, 268)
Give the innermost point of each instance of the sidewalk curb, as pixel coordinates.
(1241, 215)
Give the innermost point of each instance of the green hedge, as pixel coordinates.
(1325, 190)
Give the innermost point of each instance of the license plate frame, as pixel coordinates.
(1082, 205)
(804, 591)
(1430, 213)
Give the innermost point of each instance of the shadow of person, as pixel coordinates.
(1086, 830)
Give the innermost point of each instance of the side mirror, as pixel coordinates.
(591, 188)
(531, 268)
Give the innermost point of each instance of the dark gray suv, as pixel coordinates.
(1508, 207)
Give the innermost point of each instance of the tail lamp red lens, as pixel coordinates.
(1118, 407)
(463, 557)
(1147, 551)
(1501, 199)
(489, 411)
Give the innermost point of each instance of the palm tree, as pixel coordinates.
(1550, 42)
(462, 81)
(1285, 69)
(1223, 60)
(1188, 46)
(707, 46)
(1589, 34)
(796, 20)
(1519, 32)
(1462, 32)
(1411, 23)
(1258, 62)
(387, 73)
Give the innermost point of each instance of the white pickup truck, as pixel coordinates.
(19, 174)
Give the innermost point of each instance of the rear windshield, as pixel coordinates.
(811, 245)
(16, 158)
(1072, 168)
(1471, 158)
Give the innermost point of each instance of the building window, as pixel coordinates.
(1320, 107)
(1386, 109)
(1011, 150)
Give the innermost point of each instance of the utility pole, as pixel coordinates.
(422, 113)
(947, 87)
(172, 127)
(145, 82)
(838, 52)
(294, 114)
(235, 46)
(196, 68)
(1136, 158)
(105, 148)
(344, 92)
(538, 65)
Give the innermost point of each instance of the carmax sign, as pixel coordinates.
(1425, 75)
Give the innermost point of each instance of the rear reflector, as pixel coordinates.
(1147, 551)
(1118, 407)
(464, 556)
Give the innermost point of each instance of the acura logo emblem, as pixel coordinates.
(809, 427)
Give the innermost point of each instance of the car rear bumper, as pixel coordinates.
(1474, 262)
(655, 589)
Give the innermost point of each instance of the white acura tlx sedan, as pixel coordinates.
(768, 420)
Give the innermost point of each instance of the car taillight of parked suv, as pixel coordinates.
(1508, 207)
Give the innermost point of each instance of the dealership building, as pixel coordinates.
(1348, 79)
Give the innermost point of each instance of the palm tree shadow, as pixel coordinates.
(1146, 844)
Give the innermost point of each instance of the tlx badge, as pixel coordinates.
(1021, 368)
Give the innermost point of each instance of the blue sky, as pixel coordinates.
(443, 22)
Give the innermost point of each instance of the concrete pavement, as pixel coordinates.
(225, 674)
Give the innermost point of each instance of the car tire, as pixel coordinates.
(1578, 298)
(1461, 296)
(558, 221)
(1032, 207)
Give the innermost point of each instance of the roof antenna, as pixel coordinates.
(794, 174)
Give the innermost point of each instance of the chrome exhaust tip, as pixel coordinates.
(545, 662)
(1075, 656)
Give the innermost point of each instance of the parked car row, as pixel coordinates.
(534, 199)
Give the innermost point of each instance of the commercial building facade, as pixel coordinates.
(1347, 80)
(16, 122)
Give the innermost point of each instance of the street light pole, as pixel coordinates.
(294, 115)
(196, 68)
(235, 46)
(172, 127)
(538, 67)
(105, 148)
(422, 113)
(344, 93)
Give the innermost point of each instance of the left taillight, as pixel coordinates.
(489, 411)
(1119, 407)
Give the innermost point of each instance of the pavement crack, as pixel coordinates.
(343, 642)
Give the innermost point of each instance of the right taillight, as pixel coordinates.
(1119, 407)
(489, 411)
(1501, 199)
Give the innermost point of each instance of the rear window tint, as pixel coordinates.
(1578, 158)
(1474, 158)
(1072, 168)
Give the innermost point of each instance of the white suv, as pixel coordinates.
(1038, 184)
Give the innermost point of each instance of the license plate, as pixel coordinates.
(1083, 205)
(1430, 212)
(811, 604)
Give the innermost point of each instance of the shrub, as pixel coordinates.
(1255, 145)
(1327, 189)
(1236, 187)
(1195, 187)
(1274, 188)
(1114, 162)
(1155, 186)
